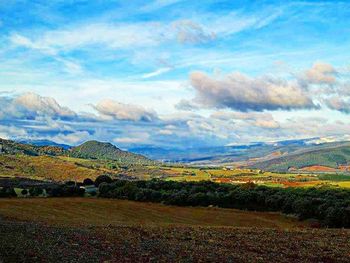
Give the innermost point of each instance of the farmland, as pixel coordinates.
(102, 212)
(122, 230)
(64, 168)
(79, 229)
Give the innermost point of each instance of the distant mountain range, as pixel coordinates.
(44, 143)
(319, 157)
(219, 154)
(87, 150)
(275, 156)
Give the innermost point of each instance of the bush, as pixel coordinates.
(24, 192)
(54, 191)
(70, 183)
(7, 192)
(103, 179)
(104, 189)
(35, 191)
(69, 190)
(88, 181)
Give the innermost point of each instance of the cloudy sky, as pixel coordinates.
(174, 73)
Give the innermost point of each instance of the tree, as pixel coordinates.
(88, 181)
(7, 192)
(103, 179)
(35, 191)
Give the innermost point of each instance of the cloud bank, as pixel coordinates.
(241, 92)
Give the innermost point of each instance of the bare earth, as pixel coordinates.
(98, 230)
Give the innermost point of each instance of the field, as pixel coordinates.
(77, 169)
(90, 230)
(105, 212)
(44, 168)
(239, 176)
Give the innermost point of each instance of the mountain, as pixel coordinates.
(87, 150)
(219, 154)
(333, 155)
(12, 147)
(44, 143)
(106, 151)
(279, 156)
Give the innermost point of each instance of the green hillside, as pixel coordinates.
(12, 147)
(106, 151)
(88, 150)
(331, 157)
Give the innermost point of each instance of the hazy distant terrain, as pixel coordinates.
(279, 156)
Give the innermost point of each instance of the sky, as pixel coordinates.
(174, 74)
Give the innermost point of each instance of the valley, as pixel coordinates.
(124, 207)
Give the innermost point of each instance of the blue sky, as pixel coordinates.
(174, 73)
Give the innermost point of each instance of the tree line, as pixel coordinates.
(329, 206)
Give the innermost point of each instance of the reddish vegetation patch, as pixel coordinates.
(223, 180)
(318, 168)
(276, 154)
(344, 167)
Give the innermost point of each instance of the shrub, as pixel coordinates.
(24, 192)
(35, 191)
(88, 181)
(104, 189)
(103, 179)
(7, 192)
(70, 183)
(68, 190)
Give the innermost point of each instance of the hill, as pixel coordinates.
(106, 151)
(325, 155)
(44, 143)
(12, 147)
(45, 168)
(88, 150)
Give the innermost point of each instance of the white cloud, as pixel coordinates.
(157, 4)
(166, 132)
(11, 131)
(338, 103)
(133, 138)
(321, 73)
(73, 138)
(240, 92)
(258, 119)
(190, 32)
(31, 106)
(120, 111)
(155, 73)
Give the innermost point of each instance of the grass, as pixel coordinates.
(44, 168)
(103, 212)
(76, 169)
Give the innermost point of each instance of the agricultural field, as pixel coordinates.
(106, 212)
(63, 168)
(44, 168)
(273, 179)
(94, 230)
